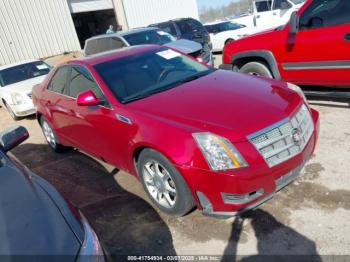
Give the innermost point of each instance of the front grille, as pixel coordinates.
(206, 53)
(285, 139)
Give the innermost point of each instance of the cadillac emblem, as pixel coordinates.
(296, 136)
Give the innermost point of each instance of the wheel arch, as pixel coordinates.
(238, 60)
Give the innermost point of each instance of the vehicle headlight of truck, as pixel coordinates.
(17, 99)
(298, 90)
(219, 152)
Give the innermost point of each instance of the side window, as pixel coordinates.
(324, 13)
(167, 27)
(263, 6)
(281, 4)
(91, 47)
(58, 83)
(81, 81)
(103, 44)
(116, 43)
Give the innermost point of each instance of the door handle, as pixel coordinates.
(347, 37)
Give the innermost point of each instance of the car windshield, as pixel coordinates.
(141, 75)
(23, 72)
(227, 26)
(156, 37)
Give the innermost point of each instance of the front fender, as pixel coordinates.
(263, 54)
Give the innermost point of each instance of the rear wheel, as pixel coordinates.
(163, 184)
(51, 137)
(256, 69)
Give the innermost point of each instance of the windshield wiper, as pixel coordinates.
(166, 87)
(194, 77)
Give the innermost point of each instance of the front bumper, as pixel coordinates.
(227, 67)
(231, 193)
(24, 109)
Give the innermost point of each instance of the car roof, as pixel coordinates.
(124, 33)
(137, 30)
(2, 67)
(113, 54)
(217, 22)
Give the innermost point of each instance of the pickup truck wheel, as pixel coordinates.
(163, 184)
(256, 69)
(51, 137)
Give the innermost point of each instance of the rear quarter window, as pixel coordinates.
(58, 83)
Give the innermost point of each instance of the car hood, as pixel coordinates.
(225, 103)
(185, 46)
(24, 87)
(30, 221)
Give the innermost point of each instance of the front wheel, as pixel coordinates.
(163, 184)
(256, 69)
(51, 137)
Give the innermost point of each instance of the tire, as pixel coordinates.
(165, 187)
(51, 137)
(10, 111)
(230, 40)
(257, 69)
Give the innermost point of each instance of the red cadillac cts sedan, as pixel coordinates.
(194, 136)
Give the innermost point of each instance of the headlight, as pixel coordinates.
(298, 90)
(219, 152)
(17, 99)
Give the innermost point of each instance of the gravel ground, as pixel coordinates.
(310, 217)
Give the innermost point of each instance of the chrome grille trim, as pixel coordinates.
(277, 143)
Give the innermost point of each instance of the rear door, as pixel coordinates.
(319, 53)
(55, 100)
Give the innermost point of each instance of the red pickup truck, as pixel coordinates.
(312, 49)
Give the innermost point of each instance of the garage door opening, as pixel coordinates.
(94, 23)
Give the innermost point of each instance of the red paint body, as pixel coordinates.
(228, 104)
(319, 45)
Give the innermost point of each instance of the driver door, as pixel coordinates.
(95, 129)
(319, 53)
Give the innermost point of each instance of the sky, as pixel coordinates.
(212, 3)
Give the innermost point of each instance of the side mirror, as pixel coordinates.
(294, 23)
(10, 138)
(87, 98)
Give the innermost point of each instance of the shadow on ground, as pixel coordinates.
(125, 223)
(275, 241)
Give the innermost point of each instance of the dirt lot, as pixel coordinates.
(310, 217)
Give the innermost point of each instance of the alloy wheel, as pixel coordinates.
(49, 135)
(159, 184)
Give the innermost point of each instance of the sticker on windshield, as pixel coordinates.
(168, 54)
(42, 67)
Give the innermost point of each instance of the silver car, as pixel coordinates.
(140, 36)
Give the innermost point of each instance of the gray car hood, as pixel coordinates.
(185, 46)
